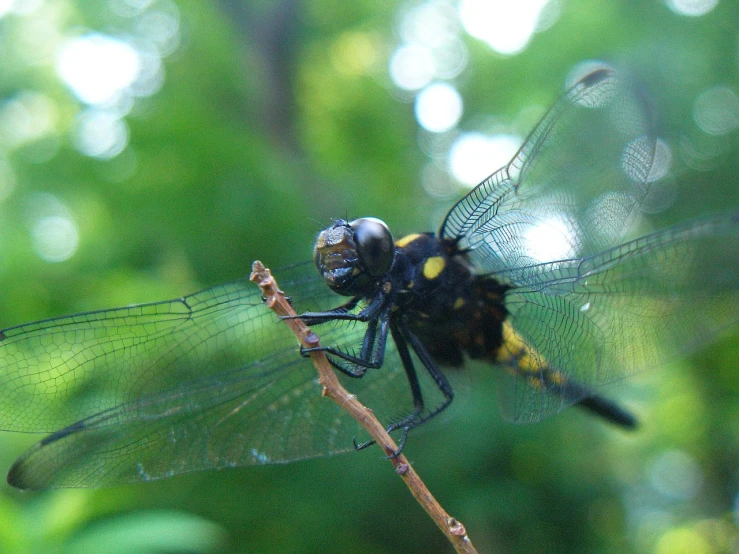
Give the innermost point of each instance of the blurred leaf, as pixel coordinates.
(148, 532)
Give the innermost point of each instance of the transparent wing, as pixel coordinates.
(550, 224)
(577, 181)
(205, 381)
(600, 318)
(57, 371)
(269, 412)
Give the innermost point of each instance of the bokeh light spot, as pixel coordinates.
(682, 540)
(552, 238)
(411, 67)
(5, 7)
(474, 156)
(27, 116)
(19, 7)
(97, 68)
(675, 475)
(100, 134)
(507, 27)
(438, 107)
(662, 162)
(55, 238)
(437, 182)
(161, 26)
(432, 47)
(716, 110)
(433, 24)
(693, 8)
(129, 8)
(644, 160)
(354, 53)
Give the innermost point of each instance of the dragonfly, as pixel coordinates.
(543, 272)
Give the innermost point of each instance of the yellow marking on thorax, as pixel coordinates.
(433, 267)
(458, 303)
(406, 240)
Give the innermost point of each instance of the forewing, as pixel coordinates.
(211, 380)
(578, 180)
(57, 371)
(632, 307)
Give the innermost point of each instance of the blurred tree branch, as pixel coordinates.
(270, 29)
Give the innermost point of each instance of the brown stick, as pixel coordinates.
(276, 301)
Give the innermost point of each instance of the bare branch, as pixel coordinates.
(332, 388)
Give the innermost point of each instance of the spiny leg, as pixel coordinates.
(436, 374)
(341, 313)
(414, 419)
(337, 313)
(410, 371)
(372, 353)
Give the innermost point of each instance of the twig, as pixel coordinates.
(276, 301)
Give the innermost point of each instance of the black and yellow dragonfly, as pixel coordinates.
(540, 271)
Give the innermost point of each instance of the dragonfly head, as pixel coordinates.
(352, 256)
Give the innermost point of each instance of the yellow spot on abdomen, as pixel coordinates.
(528, 363)
(433, 267)
(513, 345)
(405, 241)
(520, 358)
(458, 303)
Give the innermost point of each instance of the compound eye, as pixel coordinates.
(375, 245)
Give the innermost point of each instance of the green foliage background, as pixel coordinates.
(262, 133)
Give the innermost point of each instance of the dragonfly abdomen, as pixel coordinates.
(524, 362)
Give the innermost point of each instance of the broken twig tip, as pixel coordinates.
(257, 270)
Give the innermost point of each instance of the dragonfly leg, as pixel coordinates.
(371, 355)
(338, 313)
(400, 333)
